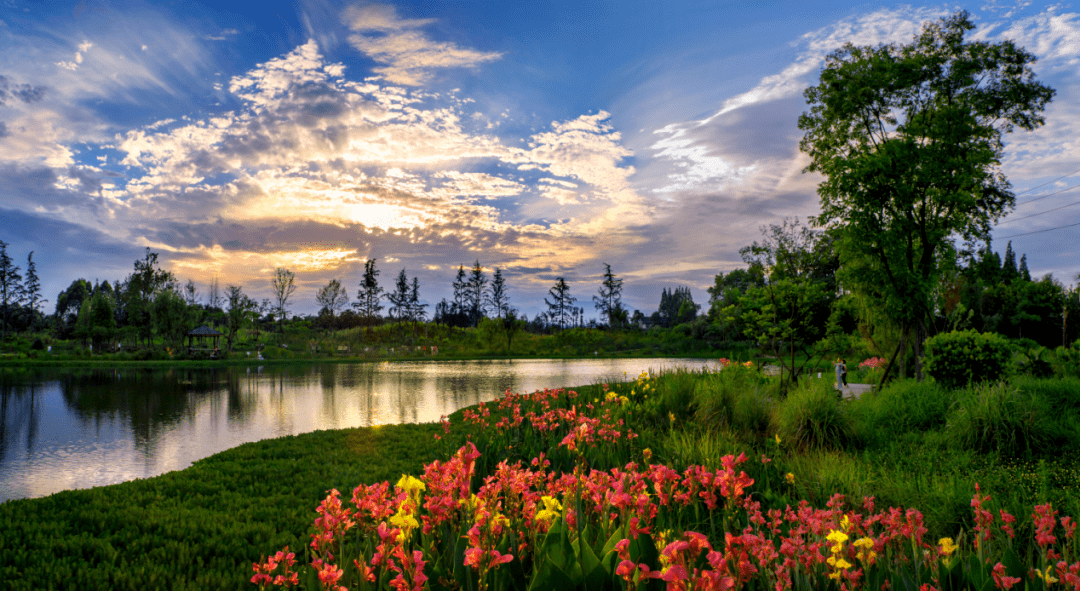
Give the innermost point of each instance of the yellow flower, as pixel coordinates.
(551, 509)
(947, 546)
(790, 478)
(671, 416)
(777, 439)
(623, 399)
(412, 486)
(864, 543)
(845, 523)
(749, 364)
(1046, 577)
(647, 453)
(837, 536)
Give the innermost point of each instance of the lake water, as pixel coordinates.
(64, 429)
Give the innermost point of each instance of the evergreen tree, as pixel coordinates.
(474, 294)
(400, 298)
(10, 287)
(32, 290)
(1024, 273)
(368, 298)
(499, 301)
(416, 309)
(561, 308)
(609, 300)
(460, 286)
(1009, 273)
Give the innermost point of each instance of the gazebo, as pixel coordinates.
(202, 333)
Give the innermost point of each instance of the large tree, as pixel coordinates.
(909, 140)
(499, 300)
(400, 298)
(474, 294)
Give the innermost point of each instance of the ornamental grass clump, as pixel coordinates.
(812, 417)
(1001, 417)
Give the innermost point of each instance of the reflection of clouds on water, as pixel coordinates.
(89, 427)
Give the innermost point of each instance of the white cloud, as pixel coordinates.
(408, 55)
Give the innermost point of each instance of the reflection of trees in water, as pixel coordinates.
(19, 409)
(151, 400)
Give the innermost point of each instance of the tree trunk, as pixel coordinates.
(920, 338)
(903, 352)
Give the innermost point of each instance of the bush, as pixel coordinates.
(1000, 417)
(812, 417)
(958, 358)
(901, 407)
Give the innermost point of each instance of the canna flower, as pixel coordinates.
(551, 510)
(947, 546)
(1002, 580)
(790, 478)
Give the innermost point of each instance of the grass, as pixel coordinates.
(910, 445)
(202, 527)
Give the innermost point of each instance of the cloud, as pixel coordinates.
(409, 56)
(22, 92)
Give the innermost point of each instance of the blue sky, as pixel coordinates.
(542, 138)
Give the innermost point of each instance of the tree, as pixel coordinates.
(213, 296)
(561, 310)
(909, 140)
(139, 290)
(499, 301)
(460, 286)
(474, 294)
(169, 313)
(10, 287)
(676, 307)
(416, 309)
(400, 298)
(32, 289)
(283, 288)
(68, 303)
(332, 297)
(191, 293)
(609, 299)
(240, 308)
(368, 298)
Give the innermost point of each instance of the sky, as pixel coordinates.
(543, 138)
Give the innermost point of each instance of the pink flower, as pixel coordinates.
(1001, 580)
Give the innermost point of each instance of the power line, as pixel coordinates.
(1040, 213)
(1037, 231)
(1049, 181)
(1048, 195)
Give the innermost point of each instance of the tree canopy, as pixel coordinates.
(909, 140)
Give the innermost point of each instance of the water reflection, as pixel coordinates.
(62, 429)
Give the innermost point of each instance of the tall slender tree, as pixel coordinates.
(499, 300)
(561, 310)
(284, 286)
(214, 298)
(609, 300)
(191, 293)
(369, 296)
(474, 298)
(32, 290)
(416, 309)
(400, 298)
(10, 287)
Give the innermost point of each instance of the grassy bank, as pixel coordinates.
(202, 527)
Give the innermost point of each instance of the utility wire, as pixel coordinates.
(1040, 197)
(1040, 213)
(1038, 231)
(1048, 182)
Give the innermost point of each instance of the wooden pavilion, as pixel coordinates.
(201, 334)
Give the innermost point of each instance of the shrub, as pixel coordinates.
(958, 358)
(1000, 417)
(812, 417)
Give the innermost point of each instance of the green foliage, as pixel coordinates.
(812, 417)
(962, 357)
(904, 406)
(201, 528)
(1000, 417)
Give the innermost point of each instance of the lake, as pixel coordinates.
(65, 429)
